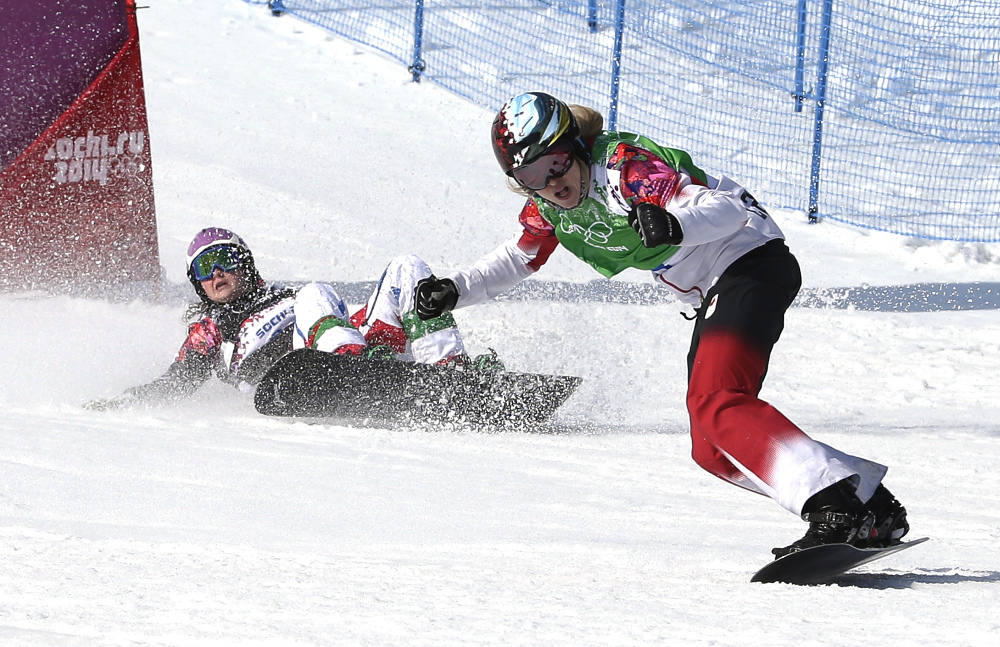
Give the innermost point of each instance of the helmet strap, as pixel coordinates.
(581, 150)
(584, 182)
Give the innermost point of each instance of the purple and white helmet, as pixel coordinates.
(215, 237)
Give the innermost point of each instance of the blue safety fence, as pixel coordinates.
(878, 113)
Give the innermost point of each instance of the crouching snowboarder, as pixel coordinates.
(618, 201)
(243, 325)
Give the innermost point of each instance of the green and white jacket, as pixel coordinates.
(720, 221)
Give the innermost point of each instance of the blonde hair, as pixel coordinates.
(590, 123)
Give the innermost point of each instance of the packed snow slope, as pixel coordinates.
(206, 524)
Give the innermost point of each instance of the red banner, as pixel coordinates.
(76, 207)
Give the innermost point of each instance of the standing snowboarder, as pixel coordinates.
(618, 200)
(243, 325)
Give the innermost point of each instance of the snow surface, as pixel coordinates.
(207, 524)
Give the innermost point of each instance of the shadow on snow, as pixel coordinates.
(907, 580)
(917, 297)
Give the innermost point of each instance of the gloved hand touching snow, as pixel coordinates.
(112, 404)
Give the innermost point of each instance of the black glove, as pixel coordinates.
(112, 404)
(655, 225)
(434, 297)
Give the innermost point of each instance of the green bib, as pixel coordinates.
(597, 235)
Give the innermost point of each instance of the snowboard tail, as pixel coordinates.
(315, 384)
(821, 564)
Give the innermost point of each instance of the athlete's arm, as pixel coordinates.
(180, 381)
(192, 368)
(515, 260)
(708, 214)
(704, 213)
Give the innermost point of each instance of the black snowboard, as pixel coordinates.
(314, 384)
(820, 564)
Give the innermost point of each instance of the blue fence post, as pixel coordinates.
(418, 42)
(592, 15)
(824, 60)
(800, 57)
(616, 65)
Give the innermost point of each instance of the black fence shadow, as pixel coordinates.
(892, 580)
(917, 297)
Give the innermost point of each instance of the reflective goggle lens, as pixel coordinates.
(225, 258)
(536, 175)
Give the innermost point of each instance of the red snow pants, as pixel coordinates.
(736, 435)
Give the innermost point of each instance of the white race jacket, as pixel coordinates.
(720, 222)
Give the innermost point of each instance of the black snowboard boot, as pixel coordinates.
(832, 514)
(883, 521)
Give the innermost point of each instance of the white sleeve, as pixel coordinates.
(493, 274)
(708, 214)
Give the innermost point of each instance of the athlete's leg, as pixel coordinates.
(389, 317)
(709, 458)
(321, 321)
(732, 429)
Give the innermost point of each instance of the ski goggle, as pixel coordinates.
(554, 164)
(226, 257)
